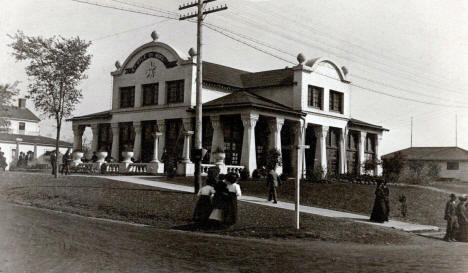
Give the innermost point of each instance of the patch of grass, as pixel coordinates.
(98, 197)
(425, 206)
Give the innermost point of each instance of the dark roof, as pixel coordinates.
(104, 115)
(15, 112)
(279, 77)
(39, 140)
(240, 99)
(433, 153)
(240, 79)
(359, 123)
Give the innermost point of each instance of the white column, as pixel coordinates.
(78, 137)
(137, 141)
(343, 165)
(321, 148)
(378, 153)
(35, 151)
(156, 136)
(94, 144)
(275, 125)
(155, 166)
(362, 147)
(248, 157)
(187, 122)
(187, 147)
(115, 141)
(218, 135)
(297, 155)
(162, 138)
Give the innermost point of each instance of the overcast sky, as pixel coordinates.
(414, 50)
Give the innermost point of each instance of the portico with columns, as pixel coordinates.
(245, 114)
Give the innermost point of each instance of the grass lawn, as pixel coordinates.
(98, 197)
(424, 206)
(452, 186)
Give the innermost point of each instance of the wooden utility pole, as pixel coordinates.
(299, 176)
(411, 144)
(456, 130)
(200, 14)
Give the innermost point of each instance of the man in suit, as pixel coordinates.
(273, 181)
(451, 217)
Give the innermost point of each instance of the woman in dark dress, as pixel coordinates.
(230, 210)
(219, 202)
(379, 212)
(204, 207)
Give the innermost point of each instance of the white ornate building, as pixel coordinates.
(245, 113)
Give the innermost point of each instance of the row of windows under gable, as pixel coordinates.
(315, 99)
(150, 94)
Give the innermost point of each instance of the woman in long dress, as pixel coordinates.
(234, 192)
(462, 233)
(379, 212)
(219, 202)
(204, 207)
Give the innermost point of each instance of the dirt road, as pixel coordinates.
(34, 240)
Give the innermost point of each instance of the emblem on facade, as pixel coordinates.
(151, 71)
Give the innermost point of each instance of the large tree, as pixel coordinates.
(55, 67)
(7, 92)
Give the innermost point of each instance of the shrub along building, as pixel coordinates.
(245, 114)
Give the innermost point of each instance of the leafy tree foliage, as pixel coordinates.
(393, 166)
(55, 67)
(7, 92)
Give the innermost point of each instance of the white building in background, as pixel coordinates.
(23, 136)
(244, 113)
(452, 161)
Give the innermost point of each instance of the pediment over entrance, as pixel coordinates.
(167, 55)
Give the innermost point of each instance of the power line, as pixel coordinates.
(129, 30)
(122, 9)
(327, 35)
(412, 79)
(283, 59)
(284, 52)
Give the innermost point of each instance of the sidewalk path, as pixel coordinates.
(283, 205)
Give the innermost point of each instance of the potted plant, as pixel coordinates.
(101, 155)
(127, 153)
(77, 155)
(219, 155)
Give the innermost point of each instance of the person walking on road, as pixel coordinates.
(273, 181)
(451, 218)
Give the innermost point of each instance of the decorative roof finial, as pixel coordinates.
(345, 70)
(301, 58)
(117, 65)
(192, 53)
(154, 36)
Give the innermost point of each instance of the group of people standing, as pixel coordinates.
(217, 203)
(456, 215)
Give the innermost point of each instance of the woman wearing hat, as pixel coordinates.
(380, 209)
(234, 192)
(203, 208)
(462, 234)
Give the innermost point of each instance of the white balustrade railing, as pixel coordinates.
(112, 167)
(205, 167)
(234, 169)
(137, 168)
